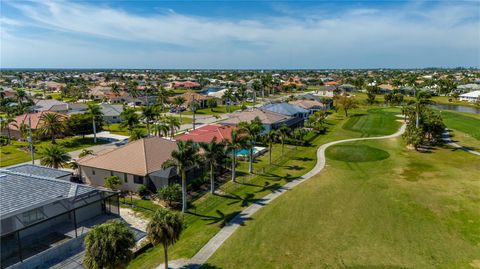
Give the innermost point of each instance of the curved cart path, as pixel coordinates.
(208, 249)
(448, 140)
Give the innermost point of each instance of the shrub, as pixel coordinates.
(142, 191)
(171, 194)
(112, 182)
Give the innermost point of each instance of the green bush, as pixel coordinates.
(142, 191)
(171, 194)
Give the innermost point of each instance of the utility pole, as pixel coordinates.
(94, 130)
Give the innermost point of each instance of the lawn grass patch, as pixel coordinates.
(463, 122)
(17, 151)
(209, 213)
(356, 153)
(412, 210)
(374, 122)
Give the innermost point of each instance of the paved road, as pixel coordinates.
(447, 138)
(209, 249)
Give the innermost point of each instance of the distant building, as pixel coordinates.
(44, 218)
(312, 105)
(270, 120)
(470, 96)
(35, 119)
(50, 105)
(287, 109)
(189, 97)
(111, 113)
(208, 133)
(186, 85)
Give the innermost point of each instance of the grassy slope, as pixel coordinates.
(16, 152)
(411, 210)
(212, 210)
(465, 126)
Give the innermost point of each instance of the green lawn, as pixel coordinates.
(373, 122)
(410, 210)
(208, 213)
(116, 129)
(17, 152)
(214, 111)
(463, 122)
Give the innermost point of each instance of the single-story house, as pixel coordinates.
(209, 132)
(43, 217)
(270, 120)
(470, 96)
(186, 85)
(287, 109)
(200, 99)
(35, 119)
(50, 105)
(111, 113)
(311, 105)
(136, 163)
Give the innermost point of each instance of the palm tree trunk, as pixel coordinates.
(283, 145)
(148, 129)
(9, 136)
(165, 252)
(94, 131)
(212, 179)
(184, 191)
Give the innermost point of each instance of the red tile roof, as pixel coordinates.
(34, 117)
(208, 132)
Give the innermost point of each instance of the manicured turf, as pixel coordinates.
(376, 122)
(210, 211)
(17, 152)
(356, 153)
(463, 122)
(411, 210)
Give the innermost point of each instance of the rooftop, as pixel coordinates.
(284, 108)
(266, 116)
(39, 171)
(207, 133)
(20, 192)
(140, 157)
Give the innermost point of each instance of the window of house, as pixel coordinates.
(125, 177)
(93, 172)
(138, 179)
(111, 173)
(32, 216)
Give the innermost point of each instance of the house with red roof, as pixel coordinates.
(35, 120)
(209, 132)
(186, 85)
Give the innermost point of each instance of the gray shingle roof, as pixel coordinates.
(21, 192)
(39, 171)
(284, 108)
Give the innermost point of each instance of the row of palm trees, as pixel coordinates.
(214, 153)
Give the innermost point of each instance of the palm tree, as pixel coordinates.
(5, 125)
(270, 138)
(108, 245)
(235, 144)
(173, 124)
(96, 113)
(228, 96)
(165, 228)
(132, 90)
(130, 119)
(162, 96)
(161, 129)
(178, 101)
(149, 113)
(115, 89)
(184, 158)
(52, 125)
(213, 153)
(55, 156)
(85, 152)
(283, 133)
(253, 131)
(422, 99)
(136, 134)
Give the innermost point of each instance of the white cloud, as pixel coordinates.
(444, 35)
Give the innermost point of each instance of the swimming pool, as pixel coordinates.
(256, 151)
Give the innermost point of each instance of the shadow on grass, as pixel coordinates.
(275, 177)
(270, 187)
(220, 218)
(244, 201)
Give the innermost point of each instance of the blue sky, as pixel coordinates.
(239, 34)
